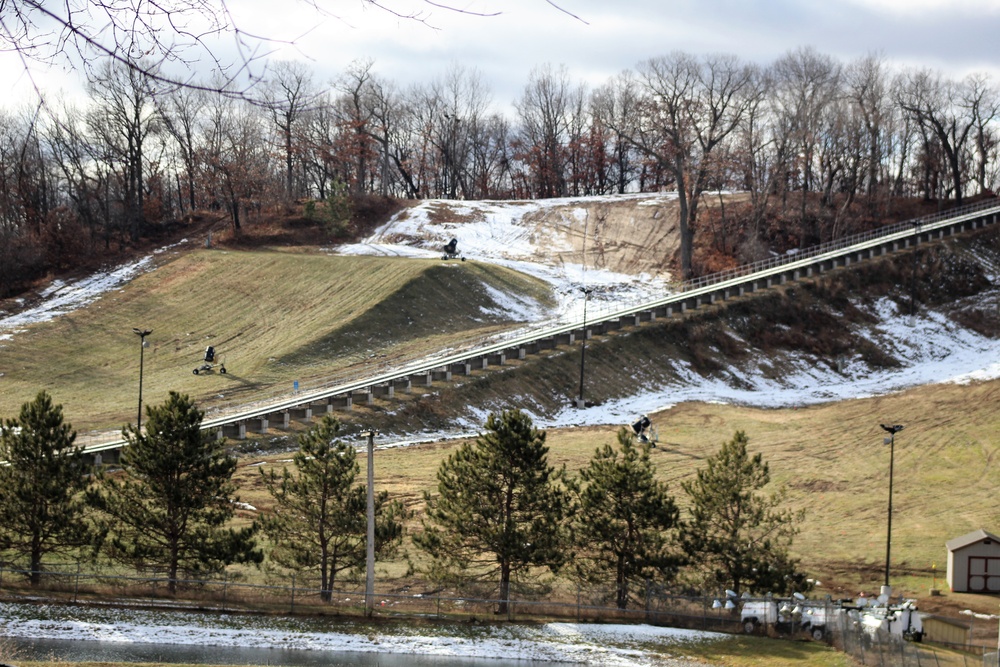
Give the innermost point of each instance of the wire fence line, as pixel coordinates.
(392, 598)
(879, 648)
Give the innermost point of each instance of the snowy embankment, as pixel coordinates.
(510, 234)
(611, 645)
(61, 298)
(930, 347)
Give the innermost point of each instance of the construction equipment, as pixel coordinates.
(451, 250)
(210, 363)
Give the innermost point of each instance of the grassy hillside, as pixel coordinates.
(274, 317)
(278, 317)
(830, 457)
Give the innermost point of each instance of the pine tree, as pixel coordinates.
(320, 519)
(498, 508)
(625, 520)
(42, 510)
(738, 535)
(168, 512)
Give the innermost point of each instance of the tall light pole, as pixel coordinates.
(141, 333)
(583, 350)
(891, 441)
(370, 554)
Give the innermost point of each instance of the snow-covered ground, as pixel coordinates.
(610, 645)
(60, 297)
(508, 234)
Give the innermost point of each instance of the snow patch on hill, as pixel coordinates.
(544, 238)
(61, 298)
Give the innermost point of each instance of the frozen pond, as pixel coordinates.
(104, 651)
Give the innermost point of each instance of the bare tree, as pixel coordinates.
(840, 154)
(124, 120)
(236, 158)
(755, 157)
(21, 258)
(386, 109)
(448, 131)
(902, 137)
(84, 176)
(690, 107)
(354, 108)
(464, 100)
(983, 102)
(806, 82)
(866, 85)
(947, 111)
(419, 156)
(288, 93)
(180, 112)
(318, 136)
(616, 105)
(178, 42)
(491, 171)
(544, 111)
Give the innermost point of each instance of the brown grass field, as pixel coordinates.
(273, 317)
(830, 457)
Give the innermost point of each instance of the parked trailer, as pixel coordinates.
(818, 618)
(900, 620)
(810, 616)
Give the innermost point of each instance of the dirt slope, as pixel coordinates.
(628, 234)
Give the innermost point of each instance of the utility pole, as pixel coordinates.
(580, 403)
(370, 555)
(891, 441)
(141, 333)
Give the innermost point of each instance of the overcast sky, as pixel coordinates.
(956, 37)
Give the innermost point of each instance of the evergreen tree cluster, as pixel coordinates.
(501, 511)
(500, 514)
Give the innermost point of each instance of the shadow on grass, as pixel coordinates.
(739, 651)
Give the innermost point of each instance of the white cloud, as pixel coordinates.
(911, 7)
(956, 36)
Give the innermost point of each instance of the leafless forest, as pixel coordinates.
(826, 147)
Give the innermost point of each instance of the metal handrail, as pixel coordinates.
(917, 224)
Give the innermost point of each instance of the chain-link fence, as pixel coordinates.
(875, 647)
(392, 597)
(816, 620)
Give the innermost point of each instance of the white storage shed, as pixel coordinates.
(974, 563)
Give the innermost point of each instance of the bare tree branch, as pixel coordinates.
(166, 32)
(565, 11)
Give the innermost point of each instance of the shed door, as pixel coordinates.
(984, 575)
